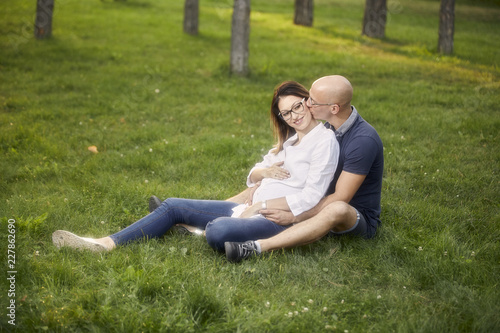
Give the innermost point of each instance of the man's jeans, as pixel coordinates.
(214, 216)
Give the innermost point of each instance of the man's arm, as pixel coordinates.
(347, 185)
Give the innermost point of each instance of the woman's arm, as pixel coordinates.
(269, 167)
(274, 171)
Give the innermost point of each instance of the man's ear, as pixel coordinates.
(334, 109)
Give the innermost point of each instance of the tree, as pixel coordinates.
(446, 26)
(191, 13)
(375, 18)
(304, 12)
(240, 36)
(43, 20)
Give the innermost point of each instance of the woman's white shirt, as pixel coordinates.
(311, 163)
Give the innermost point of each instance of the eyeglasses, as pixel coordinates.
(297, 108)
(314, 104)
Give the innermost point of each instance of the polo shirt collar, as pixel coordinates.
(346, 125)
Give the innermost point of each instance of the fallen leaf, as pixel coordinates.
(93, 149)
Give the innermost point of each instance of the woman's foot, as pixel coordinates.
(189, 229)
(62, 238)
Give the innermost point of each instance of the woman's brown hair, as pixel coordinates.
(283, 131)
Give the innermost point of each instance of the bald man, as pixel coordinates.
(352, 204)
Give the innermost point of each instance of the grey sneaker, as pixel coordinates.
(236, 252)
(154, 203)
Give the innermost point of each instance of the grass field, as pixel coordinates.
(168, 119)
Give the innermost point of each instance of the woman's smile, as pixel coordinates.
(297, 122)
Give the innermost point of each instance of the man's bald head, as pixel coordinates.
(333, 89)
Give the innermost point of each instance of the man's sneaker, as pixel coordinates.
(236, 252)
(154, 203)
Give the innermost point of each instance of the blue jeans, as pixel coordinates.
(198, 213)
(231, 229)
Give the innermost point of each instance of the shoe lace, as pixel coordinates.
(246, 249)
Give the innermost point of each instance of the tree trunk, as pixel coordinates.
(375, 18)
(240, 35)
(304, 12)
(446, 26)
(43, 21)
(191, 12)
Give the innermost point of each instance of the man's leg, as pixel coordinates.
(337, 216)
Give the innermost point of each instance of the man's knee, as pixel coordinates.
(338, 215)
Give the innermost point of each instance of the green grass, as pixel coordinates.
(168, 119)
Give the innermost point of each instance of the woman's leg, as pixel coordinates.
(230, 229)
(173, 211)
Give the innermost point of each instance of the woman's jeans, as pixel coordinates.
(211, 215)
